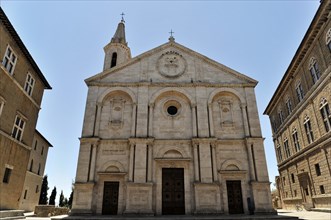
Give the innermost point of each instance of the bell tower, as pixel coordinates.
(117, 51)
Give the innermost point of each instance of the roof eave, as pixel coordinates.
(318, 20)
(21, 45)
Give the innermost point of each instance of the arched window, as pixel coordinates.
(296, 140)
(273, 123)
(279, 153)
(308, 129)
(113, 60)
(328, 39)
(31, 166)
(288, 105)
(299, 91)
(287, 148)
(314, 71)
(326, 114)
(280, 115)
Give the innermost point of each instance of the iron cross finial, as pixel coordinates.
(122, 17)
(171, 32)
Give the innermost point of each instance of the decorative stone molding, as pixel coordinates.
(161, 153)
(120, 89)
(234, 92)
(141, 140)
(174, 84)
(230, 162)
(91, 140)
(182, 92)
(172, 45)
(204, 140)
(171, 64)
(113, 163)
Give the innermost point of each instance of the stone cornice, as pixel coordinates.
(164, 47)
(320, 143)
(28, 172)
(177, 141)
(300, 107)
(141, 140)
(233, 172)
(222, 141)
(169, 84)
(204, 140)
(309, 39)
(14, 140)
(92, 140)
(11, 30)
(260, 183)
(172, 159)
(88, 184)
(19, 87)
(112, 173)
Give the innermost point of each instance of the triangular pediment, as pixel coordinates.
(171, 63)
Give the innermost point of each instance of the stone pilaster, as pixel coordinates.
(141, 161)
(204, 156)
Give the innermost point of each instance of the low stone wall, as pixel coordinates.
(50, 210)
(11, 213)
(322, 201)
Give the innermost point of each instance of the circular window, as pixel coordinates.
(172, 110)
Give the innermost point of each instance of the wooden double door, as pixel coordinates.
(173, 194)
(110, 198)
(235, 200)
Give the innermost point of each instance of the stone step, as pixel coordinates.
(13, 218)
(11, 214)
(321, 210)
(180, 217)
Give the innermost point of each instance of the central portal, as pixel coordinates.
(110, 198)
(235, 200)
(173, 196)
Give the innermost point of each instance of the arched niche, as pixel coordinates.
(172, 92)
(117, 90)
(112, 167)
(231, 165)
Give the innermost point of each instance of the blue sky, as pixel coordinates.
(66, 39)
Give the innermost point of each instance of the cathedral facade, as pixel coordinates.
(169, 132)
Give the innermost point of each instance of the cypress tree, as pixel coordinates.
(52, 197)
(70, 198)
(43, 199)
(61, 200)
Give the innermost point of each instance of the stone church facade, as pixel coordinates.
(169, 132)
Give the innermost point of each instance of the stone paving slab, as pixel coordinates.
(309, 215)
(282, 215)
